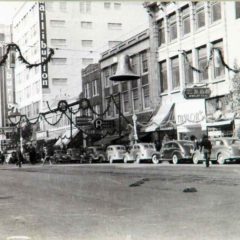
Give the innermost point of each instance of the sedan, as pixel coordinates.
(115, 153)
(223, 150)
(177, 151)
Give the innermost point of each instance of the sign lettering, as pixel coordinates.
(43, 45)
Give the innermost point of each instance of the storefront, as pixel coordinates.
(190, 117)
(220, 116)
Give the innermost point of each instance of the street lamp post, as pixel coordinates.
(125, 73)
(16, 118)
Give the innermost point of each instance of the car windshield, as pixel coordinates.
(89, 150)
(233, 141)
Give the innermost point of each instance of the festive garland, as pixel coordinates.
(14, 46)
(184, 53)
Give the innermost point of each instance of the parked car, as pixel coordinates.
(115, 152)
(59, 156)
(74, 155)
(223, 150)
(142, 151)
(11, 156)
(177, 151)
(94, 154)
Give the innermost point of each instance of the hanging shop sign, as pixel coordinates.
(196, 93)
(103, 124)
(83, 121)
(190, 112)
(43, 44)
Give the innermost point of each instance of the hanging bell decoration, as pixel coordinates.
(124, 70)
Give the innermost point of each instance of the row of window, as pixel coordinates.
(91, 89)
(85, 24)
(84, 6)
(139, 64)
(31, 110)
(195, 15)
(170, 72)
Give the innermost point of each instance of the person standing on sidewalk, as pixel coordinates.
(206, 147)
(19, 157)
(46, 152)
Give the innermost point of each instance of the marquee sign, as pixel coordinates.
(43, 44)
(196, 93)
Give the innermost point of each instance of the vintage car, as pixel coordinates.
(142, 151)
(177, 151)
(115, 153)
(224, 150)
(74, 155)
(94, 154)
(59, 156)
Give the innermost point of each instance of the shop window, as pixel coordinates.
(200, 15)
(144, 60)
(161, 32)
(216, 11)
(237, 9)
(86, 25)
(202, 63)
(134, 64)
(163, 76)
(186, 25)
(187, 69)
(172, 20)
(106, 77)
(219, 69)
(125, 96)
(135, 99)
(175, 73)
(146, 97)
(94, 88)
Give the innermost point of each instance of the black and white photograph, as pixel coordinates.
(119, 120)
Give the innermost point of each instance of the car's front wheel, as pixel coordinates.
(195, 159)
(101, 159)
(125, 159)
(155, 159)
(221, 159)
(138, 159)
(175, 159)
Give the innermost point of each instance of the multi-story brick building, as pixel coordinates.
(78, 31)
(187, 33)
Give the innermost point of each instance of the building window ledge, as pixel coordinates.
(175, 91)
(164, 94)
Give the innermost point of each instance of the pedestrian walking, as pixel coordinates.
(19, 157)
(46, 155)
(32, 154)
(2, 157)
(206, 147)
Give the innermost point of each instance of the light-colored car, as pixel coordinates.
(142, 151)
(223, 150)
(115, 153)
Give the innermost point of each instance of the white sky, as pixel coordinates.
(8, 9)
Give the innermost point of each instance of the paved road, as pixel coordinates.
(120, 202)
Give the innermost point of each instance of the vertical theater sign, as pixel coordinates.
(43, 44)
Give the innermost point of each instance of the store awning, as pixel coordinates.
(161, 118)
(219, 123)
(107, 140)
(66, 137)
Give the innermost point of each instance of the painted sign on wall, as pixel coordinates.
(43, 44)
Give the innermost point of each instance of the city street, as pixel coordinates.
(119, 201)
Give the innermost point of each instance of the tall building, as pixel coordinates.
(196, 51)
(78, 31)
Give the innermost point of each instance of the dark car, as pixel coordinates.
(177, 151)
(74, 155)
(225, 149)
(94, 154)
(59, 156)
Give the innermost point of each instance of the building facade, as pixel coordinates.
(125, 98)
(197, 44)
(77, 31)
